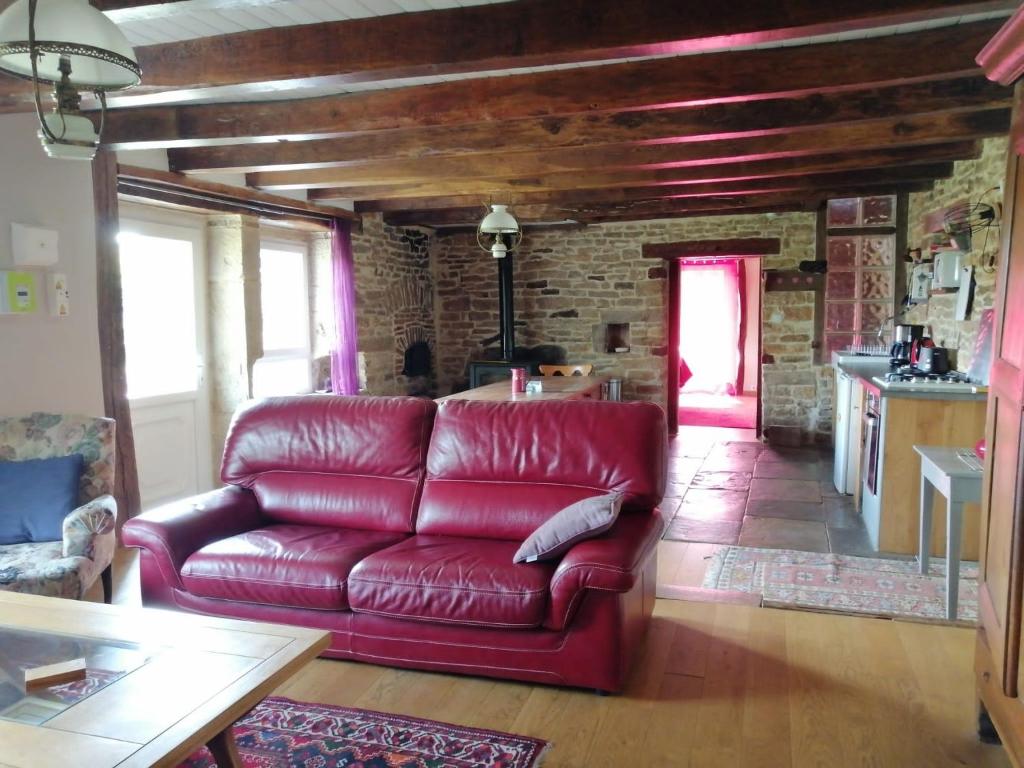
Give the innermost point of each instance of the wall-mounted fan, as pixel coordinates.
(961, 222)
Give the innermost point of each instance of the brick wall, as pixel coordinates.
(971, 180)
(570, 283)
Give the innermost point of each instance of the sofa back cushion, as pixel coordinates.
(499, 470)
(354, 462)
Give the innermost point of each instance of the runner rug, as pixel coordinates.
(843, 583)
(281, 733)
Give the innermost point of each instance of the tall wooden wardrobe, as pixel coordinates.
(998, 658)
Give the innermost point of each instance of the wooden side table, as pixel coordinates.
(956, 474)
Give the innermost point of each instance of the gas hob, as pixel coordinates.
(915, 380)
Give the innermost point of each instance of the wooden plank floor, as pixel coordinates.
(729, 686)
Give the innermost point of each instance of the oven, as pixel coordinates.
(872, 435)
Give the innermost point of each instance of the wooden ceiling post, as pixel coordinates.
(111, 333)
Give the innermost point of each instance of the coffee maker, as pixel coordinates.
(903, 340)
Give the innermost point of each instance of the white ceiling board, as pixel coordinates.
(200, 18)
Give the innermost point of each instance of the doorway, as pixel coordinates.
(164, 307)
(715, 310)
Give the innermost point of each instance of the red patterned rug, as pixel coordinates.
(843, 583)
(281, 733)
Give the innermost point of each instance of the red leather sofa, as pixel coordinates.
(392, 522)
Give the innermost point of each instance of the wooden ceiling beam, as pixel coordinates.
(531, 213)
(685, 80)
(799, 206)
(597, 179)
(910, 176)
(713, 121)
(806, 206)
(865, 135)
(174, 188)
(740, 246)
(532, 33)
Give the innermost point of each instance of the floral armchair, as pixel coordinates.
(66, 568)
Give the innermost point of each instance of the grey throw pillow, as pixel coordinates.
(583, 520)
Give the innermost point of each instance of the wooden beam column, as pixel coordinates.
(111, 333)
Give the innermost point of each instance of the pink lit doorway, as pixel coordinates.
(715, 311)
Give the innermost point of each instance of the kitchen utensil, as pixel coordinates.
(916, 346)
(905, 333)
(933, 359)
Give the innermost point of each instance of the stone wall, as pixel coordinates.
(971, 180)
(394, 303)
(570, 283)
(235, 319)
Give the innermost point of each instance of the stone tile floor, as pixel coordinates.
(727, 488)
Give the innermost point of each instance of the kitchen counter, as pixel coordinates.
(876, 430)
(867, 368)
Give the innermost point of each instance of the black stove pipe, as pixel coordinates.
(506, 311)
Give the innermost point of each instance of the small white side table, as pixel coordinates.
(956, 474)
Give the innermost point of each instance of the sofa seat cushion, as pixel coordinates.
(297, 566)
(452, 580)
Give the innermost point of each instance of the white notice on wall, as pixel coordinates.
(33, 246)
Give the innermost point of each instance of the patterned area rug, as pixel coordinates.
(281, 733)
(843, 584)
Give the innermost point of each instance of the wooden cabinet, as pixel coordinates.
(998, 662)
(910, 422)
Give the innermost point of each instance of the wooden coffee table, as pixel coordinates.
(161, 683)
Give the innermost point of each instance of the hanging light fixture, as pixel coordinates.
(73, 47)
(499, 232)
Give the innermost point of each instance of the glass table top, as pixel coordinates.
(106, 661)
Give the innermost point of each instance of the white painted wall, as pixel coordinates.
(47, 363)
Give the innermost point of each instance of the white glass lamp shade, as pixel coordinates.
(499, 221)
(76, 134)
(101, 57)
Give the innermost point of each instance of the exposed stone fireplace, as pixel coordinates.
(417, 364)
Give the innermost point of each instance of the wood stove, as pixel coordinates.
(496, 364)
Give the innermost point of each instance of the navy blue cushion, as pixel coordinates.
(35, 497)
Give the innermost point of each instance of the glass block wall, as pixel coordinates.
(860, 284)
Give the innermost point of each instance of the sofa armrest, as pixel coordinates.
(609, 563)
(174, 531)
(89, 530)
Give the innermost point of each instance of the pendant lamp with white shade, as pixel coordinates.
(500, 225)
(73, 47)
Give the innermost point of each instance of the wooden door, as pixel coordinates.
(1000, 590)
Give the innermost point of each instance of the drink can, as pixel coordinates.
(518, 379)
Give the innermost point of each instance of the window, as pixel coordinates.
(860, 286)
(159, 308)
(284, 368)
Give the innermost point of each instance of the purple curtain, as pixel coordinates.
(344, 357)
